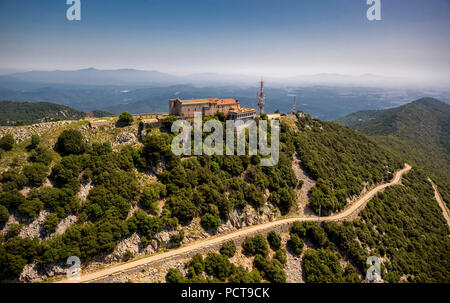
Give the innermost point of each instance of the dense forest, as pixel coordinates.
(401, 225)
(418, 132)
(24, 113)
(341, 160)
(208, 187)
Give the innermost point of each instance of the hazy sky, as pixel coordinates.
(270, 38)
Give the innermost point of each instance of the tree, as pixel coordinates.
(281, 256)
(11, 199)
(71, 142)
(177, 238)
(241, 275)
(4, 215)
(181, 208)
(210, 221)
(14, 230)
(35, 140)
(7, 142)
(126, 118)
(275, 272)
(50, 223)
(30, 208)
(13, 179)
(218, 266)
(175, 276)
(256, 245)
(35, 173)
(274, 239)
(196, 265)
(295, 243)
(151, 195)
(228, 249)
(42, 155)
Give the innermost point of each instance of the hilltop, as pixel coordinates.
(23, 113)
(418, 131)
(110, 193)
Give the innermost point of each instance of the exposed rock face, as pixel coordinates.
(125, 138)
(34, 272)
(11, 220)
(23, 133)
(34, 228)
(130, 244)
(84, 190)
(65, 224)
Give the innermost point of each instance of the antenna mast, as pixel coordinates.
(261, 98)
(294, 106)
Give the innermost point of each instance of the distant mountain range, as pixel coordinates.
(325, 96)
(93, 76)
(20, 113)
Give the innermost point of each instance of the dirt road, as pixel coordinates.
(242, 232)
(438, 197)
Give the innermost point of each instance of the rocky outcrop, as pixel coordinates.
(125, 138)
(33, 272)
(23, 133)
(35, 227)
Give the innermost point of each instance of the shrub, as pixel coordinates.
(35, 174)
(196, 266)
(175, 276)
(275, 272)
(126, 118)
(295, 243)
(50, 223)
(241, 275)
(151, 195)
(218, 266)
(228, 249)
(4, 215)
(11, 199)
(183, 209)
(13, 180)
(30, 208)
(7, 142)
(256, 245)
(14, 230)
(35, 140)
(280, 255)
(41, 155)
(177, 238)
(274, 239)
(210, 222)
(71, 142)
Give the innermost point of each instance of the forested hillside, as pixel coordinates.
(205, 187)
(22, 113)
(341, 160)
(418, 132)
(113, 192)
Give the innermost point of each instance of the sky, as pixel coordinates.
(256, 37)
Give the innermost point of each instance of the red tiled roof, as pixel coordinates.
(227, 102)
(211, 100)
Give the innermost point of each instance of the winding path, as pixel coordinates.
(210, 241)
(438, 197)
